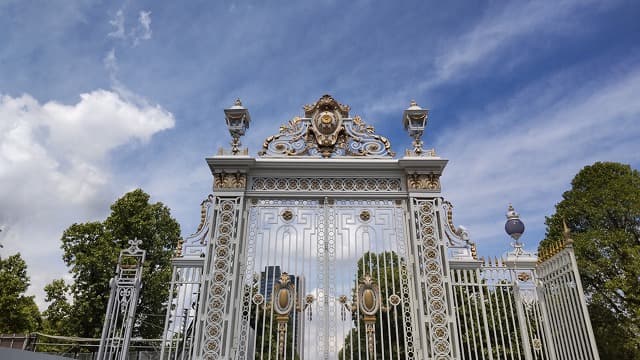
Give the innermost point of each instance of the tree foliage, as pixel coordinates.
(602, 210)
(19, 312)
(56, 317)
(91, 251)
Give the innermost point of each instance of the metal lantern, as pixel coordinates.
(514, 226)
(238, 120)
(414, 119)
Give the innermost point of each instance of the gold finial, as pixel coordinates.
(413, 103)
(238, 102)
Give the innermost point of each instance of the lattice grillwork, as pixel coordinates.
(180, 323)
(430, 251)
(220, 270)
(320, 184)
(327, 248)
(565, 307)
(498, 316)
(123, 301)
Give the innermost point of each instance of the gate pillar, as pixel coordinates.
(221, 265)
(431, 264)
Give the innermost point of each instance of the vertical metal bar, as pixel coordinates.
(566, 319)
(514, 318)
(519, 304)
(325, 276)
(485, 322)
(501, 289)
(463, 303)
(462, 323)
(495, 315)
(167, 316)
(577, 321)
(468, 300)
(583, 304)
(105, 326)
(555, 317)
(550, 347)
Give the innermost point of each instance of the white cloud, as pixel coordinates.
(54, 168)
(111, 63)
(527, 149)
(118, 23)
(142, 31)
(485, 45)
(498, 29)
(144, 18)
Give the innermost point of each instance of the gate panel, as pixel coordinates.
(370, 262)
(326, 280)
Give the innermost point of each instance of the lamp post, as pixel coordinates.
(514, 227)
(238, 119)
(414, 119)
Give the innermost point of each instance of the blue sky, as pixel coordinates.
(98, 98)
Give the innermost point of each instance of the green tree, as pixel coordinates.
(55, 319)
(19, 312)
(91, 251)
(56, 316)
(602, 210)
(132, 216)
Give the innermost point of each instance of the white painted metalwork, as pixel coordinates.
(326, 184)
(570, 331)
(185, 288)
(325, 247)
(123, 301)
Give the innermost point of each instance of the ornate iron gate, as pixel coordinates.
(326, 279)
(326, 247)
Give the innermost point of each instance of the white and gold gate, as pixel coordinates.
(325, 246)
(326, 279)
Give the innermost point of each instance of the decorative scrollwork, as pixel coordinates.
(221, 265)
(284, 295)
(134, 246)
(433, 277)
(319, 184)
(524, 276)
(195, 243)
(227, 181)
(428, 182)
(326, 131)
(369, 297)
(458, 236)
